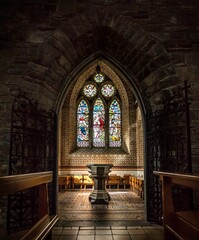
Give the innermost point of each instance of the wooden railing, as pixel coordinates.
(16, 183)
(183, 225)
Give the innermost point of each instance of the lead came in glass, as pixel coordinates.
(83, 124)
(108, 90)
(98, 123)
(114, 124)
(99, 78)
(90, 90)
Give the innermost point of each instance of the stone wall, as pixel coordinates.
(44, 44)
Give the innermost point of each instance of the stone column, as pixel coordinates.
(99, 172)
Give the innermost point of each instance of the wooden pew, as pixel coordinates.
(140, 187)
(88, 182)
(137, 186)
(183, 225)
(16, 183)
(113, 181)
(126, 180)
(77, 182)
(64, 182)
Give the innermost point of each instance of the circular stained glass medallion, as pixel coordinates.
(108, 90)
(89, 90)
(99, 78)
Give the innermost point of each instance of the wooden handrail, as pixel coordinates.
(15, 183)
(183, 224)
(179, 175)
(186, 180)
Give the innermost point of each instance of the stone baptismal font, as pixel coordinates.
(99, 172)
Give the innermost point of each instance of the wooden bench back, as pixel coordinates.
(178, 224)
(186, 180)
(15, 183)
(168, 179)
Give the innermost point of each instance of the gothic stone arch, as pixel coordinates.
(133, 50)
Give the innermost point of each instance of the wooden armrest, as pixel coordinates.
(39, 231)
(186, 180)
(182, 225)
(41, 228)
(191, 217)
(15, 183)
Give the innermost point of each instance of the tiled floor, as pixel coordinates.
(124, 205)
(122, 219)
(154, 232)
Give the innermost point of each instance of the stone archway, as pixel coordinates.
(134, 51)
(73, 161)
(72, 46)
(42, 56)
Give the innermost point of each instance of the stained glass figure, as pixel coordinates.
(98, 123)
(99, 78)
(83, 124)
(108, 90)
(89, 90)
(114, 124)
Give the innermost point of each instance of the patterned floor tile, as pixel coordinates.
(124, 205)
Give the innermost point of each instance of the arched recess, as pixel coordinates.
(122, 92)
(69, 127)
(124, 46)
(133, 50)
(69, 99)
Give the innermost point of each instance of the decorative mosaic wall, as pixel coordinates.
(127, 156)
(139, 138)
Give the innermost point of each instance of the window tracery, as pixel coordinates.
(99, 114)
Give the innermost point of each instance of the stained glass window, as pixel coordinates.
(114, 124)
(83, 124)
(108, 90)
(99, 78)
(98, 123)
(89, 90)
(99, 113)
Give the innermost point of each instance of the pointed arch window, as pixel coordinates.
(98, 123)
(83, 124)
(114, 124)
(99, 114)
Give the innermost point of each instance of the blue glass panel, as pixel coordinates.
(82, 124)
